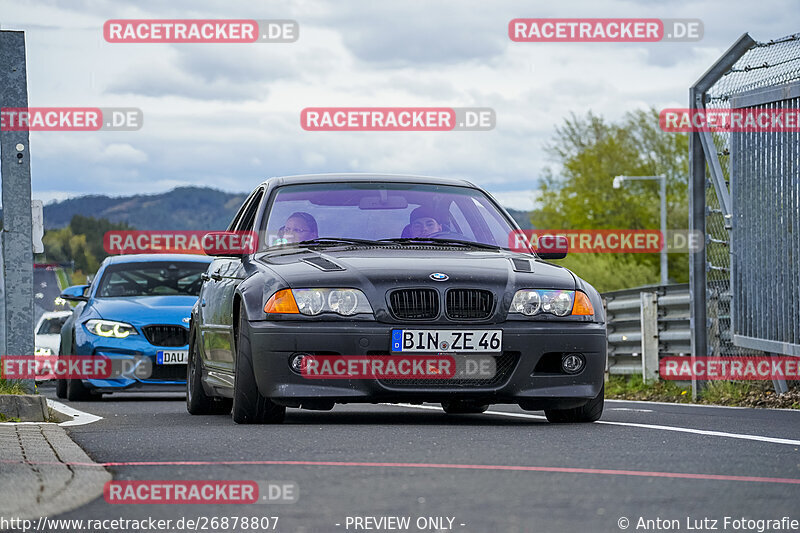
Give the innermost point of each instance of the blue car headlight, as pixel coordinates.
(110, 328)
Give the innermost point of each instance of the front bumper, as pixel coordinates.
(525, 345)
(164, 378)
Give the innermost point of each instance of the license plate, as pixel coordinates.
(446, 340)
(171, 357)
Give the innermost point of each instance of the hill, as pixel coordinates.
(183, 208)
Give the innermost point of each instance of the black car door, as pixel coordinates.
(217, 297)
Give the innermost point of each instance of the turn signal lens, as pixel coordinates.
(582, 304)
(282, 302)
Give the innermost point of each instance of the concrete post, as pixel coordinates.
(15, 170)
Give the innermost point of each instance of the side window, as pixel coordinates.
(245, 223)
(238, 217)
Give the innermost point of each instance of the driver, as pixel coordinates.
(425, 222)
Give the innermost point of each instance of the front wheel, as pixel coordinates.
(590, 412)
(61, 388)
(77, 391)
(249, 406)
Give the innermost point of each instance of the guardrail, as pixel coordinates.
(645, 323)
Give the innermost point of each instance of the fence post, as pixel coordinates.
(649, 320)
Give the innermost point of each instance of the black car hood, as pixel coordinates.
(412, 266)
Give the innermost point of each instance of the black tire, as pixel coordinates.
(61, 384)
(77, 391)
(61, 388)
(197, 401)
(249, 406)
(464, 408)
(590, 412)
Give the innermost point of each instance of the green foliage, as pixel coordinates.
(634, 388)
(80, 243)
(590, 152)
(11, 387)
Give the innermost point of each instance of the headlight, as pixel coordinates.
(530, 302)
(526, 302)
(109, 328)
(42, 351)
(309, 301)
(312, 302)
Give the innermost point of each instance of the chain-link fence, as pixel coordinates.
(765, 168)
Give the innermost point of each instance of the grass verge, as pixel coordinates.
(11, 387)
(730, 393)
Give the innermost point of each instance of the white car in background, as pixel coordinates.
(48, 335)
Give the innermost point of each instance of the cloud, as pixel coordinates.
(524, 200)
(228, 115)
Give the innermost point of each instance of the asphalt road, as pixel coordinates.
(586, 477)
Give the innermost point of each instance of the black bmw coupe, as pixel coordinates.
(386, 288)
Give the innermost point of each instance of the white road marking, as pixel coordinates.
(629, 409)
(79, 418)
(707, 432)
(710, 406)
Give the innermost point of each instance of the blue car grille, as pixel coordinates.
(166, 335)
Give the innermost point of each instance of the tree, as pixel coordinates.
(80, 243)
(590, 152)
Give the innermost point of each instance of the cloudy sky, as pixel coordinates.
(227, 115)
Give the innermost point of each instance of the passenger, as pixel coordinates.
(300, 226)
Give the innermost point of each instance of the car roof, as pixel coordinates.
(145, 258)
(365, 177)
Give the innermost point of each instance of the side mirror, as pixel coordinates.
(552, 247)
(76, 293)
(230, 243)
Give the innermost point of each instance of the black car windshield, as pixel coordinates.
(380, 211)
(151, 279)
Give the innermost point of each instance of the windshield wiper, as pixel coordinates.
(434, 240)
(332, 241)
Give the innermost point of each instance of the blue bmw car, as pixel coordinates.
(136, 313)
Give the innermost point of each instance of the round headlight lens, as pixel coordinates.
(527, 302)
(344, 302)
(309, 301)
(558, 303)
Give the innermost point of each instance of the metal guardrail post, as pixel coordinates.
(649, 321)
